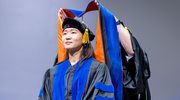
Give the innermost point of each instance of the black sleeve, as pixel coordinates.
(136, 71)
(45, 92)
(99, 85)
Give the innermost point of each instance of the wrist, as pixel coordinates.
(118, 22)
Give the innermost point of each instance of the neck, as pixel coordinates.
(74, 57)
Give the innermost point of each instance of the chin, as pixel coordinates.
(72, 48)
(68, 48)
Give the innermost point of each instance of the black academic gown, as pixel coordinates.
(136, 73)
(98, 73)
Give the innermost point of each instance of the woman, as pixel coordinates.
(133, 60)
(80, 76)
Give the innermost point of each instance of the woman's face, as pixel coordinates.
(72, 39)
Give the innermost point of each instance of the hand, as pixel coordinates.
(97, 4)
(63, 15)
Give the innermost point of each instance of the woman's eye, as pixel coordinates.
(73, 32)
(64, 33)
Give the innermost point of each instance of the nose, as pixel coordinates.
(68, 36)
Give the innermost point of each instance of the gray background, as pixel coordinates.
(28, 41)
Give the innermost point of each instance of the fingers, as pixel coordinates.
(60, 11)
(62, 14)
(97, 4)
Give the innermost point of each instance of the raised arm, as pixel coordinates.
(124, 35)
(125, 40)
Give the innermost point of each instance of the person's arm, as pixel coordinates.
(125, 40)
(124, 36)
